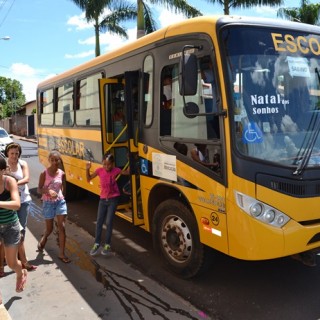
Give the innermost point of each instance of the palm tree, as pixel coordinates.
(145, 20)
(119, 11)
(306, 13)
(237, 4)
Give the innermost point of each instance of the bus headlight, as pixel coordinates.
(256, 209)
(261, 211)
(269, 215)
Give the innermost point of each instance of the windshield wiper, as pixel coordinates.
(314, 128)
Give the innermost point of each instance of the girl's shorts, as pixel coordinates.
(51, 209)
(10, 233)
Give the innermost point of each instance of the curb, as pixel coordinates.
(25, 139)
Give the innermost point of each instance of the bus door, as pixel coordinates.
(117, 138)
(132, 90)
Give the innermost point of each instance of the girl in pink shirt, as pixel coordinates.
(109, 197)
(51, 186)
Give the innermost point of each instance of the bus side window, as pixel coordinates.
(88, 112)
(209, 96)
(64, 115)
(166, 102)
(47, 103)
(147, 109)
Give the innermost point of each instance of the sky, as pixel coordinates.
(48, 37)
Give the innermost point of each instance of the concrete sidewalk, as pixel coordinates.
(101, 288)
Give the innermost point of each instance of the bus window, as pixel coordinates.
(166, 102)
(64, 115)
(147, 90)
(209, 95)
(46, 104)
(88, 113)
(173, 121)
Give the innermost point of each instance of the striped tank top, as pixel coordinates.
(6, 215)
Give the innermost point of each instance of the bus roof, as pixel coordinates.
(198, 24)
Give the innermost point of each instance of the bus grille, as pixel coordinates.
(288, 188)
(295, 188)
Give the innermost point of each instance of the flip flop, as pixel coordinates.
(65, 259)
(40, 247)
(22, 283)
(29, 267)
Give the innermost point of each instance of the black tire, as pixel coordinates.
(176, 237)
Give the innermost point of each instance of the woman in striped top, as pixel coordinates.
(9, 224)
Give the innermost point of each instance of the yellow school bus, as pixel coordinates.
(218, 119)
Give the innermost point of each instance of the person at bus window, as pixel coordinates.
(181, 148)
(166, 105)
(167, 93)
(119, 114)
(201, 154)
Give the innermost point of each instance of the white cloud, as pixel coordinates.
(80, 55)
(79, 22)
(168, 17)
(29, 78)
(88, 41)
(22, 70)
(110, 41)
(265, 11)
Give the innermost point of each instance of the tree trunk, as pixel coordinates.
(140, 19)
(226, 7)
(97, 35)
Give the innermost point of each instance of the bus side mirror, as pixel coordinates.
(188, 75)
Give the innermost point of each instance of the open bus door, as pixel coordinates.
(119, 136)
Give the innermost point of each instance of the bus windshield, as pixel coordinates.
(275, 80)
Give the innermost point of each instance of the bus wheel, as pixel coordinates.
(176, 237)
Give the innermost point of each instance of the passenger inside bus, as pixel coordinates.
(119, 114)
(181, 148)
(166, 104)
(201, 154)
(167, 92)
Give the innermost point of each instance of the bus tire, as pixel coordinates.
(176, 238)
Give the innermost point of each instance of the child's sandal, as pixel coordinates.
(40, 247)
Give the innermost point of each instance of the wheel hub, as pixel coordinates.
(176, 239)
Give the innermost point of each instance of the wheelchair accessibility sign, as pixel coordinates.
(252, 133)
(144, 168)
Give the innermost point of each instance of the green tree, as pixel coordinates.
(11, 96)
(306, 13)
(145, 21)
(238, 4)
(95, 12)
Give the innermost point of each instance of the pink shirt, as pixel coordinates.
(55, 184)
(108, 183)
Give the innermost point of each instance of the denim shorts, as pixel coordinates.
(51, 209)
(10, 233)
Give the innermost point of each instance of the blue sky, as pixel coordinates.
(48, 37)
